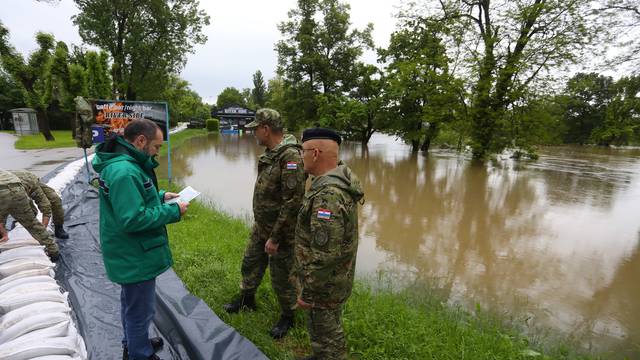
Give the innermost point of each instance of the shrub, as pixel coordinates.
(213, 124)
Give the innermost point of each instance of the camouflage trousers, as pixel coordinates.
(254, 265)
(14, 201)
(326, 333)
(56, 205)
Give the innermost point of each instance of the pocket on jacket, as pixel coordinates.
(154, 242)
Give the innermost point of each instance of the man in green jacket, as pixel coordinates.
(133, 236)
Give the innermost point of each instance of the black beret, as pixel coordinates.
(321, 133)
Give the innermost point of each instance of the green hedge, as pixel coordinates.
(213, 124)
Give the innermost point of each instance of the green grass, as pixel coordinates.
(63, 139)
(380, 324)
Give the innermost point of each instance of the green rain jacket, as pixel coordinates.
(133, 215)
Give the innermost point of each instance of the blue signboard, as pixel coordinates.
(97, 133)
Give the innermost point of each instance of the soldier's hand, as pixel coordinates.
(183, 207)
(303, 305)
(271, 247)
(45, 221)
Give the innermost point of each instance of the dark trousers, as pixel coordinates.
(138, 306)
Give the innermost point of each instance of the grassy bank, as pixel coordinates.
(381, 324)
(63, 139)
(179, 138)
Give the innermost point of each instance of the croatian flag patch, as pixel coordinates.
(324, 214)
(292, 166)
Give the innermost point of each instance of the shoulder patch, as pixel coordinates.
(292, 165)
(324, 214)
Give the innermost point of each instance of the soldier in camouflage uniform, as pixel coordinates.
(46, 199)
(277, 196)
(14, 201)
(326, 242)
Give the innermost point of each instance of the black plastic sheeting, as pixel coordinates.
(189, 327)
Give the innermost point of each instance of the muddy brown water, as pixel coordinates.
(554, 241)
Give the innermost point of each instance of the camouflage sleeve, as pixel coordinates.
(292, 179)
(41, 200)
(327, 233)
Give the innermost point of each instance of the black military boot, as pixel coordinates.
(246, 301)
(280, 329)
(60, 233)
(53, 257)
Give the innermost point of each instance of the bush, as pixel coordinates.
(213, 124)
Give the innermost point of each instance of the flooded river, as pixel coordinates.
(555, 239)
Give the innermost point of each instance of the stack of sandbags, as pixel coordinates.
(35, 317)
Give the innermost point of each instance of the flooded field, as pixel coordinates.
(556, 239)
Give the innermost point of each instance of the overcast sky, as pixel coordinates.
(242, 35)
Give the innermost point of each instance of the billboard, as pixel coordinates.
(114, 115)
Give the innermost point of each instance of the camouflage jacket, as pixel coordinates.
(7, 178)
(278, 191)
(327, 238)
(31, 184)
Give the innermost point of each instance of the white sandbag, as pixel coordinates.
(38, 327)
(28, 273)
(10, 303)
(19, 233)
(81, 349)
(15, 266)
(56, 357)
(16, 243)
(24, 252)
(29, 288)
(27, 280)
(37, 308)
(32, 323)
(27, 349)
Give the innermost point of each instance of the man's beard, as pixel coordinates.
(145, 150)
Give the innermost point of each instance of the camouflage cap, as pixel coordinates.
(266, 116)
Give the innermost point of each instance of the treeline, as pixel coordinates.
(476, 74)
(143, 46)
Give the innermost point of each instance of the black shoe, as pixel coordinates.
(154, 357)
(54, 258)
(156, 344)
(242, 302)
(60, 233)
(280, 329)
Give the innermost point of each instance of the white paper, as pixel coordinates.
(186, 195)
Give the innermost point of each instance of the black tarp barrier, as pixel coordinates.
(188, 326)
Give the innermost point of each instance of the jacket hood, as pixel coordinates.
(341, 177)
(116, 149)
(287, 141)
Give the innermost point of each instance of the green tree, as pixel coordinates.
(318, 55)
(420, 91)
(259, 92)
(505, 47)
(586, 98)
(230, 96)
(148, 40)
(33, 76)
(11, 96)
(360, 113)
(247, 99)
(97, 71)
(622, 117)
(184, 103)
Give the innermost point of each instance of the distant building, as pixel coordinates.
(25, 121)
(234, 117)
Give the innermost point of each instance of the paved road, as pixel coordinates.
(40, 162)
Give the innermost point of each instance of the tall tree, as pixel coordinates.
(33, 76)
(230, 96)
(420, 91)
(148, 40)
(318, 54)
(508, 45)
(98, 80)
(10, 95)
(259, 92)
